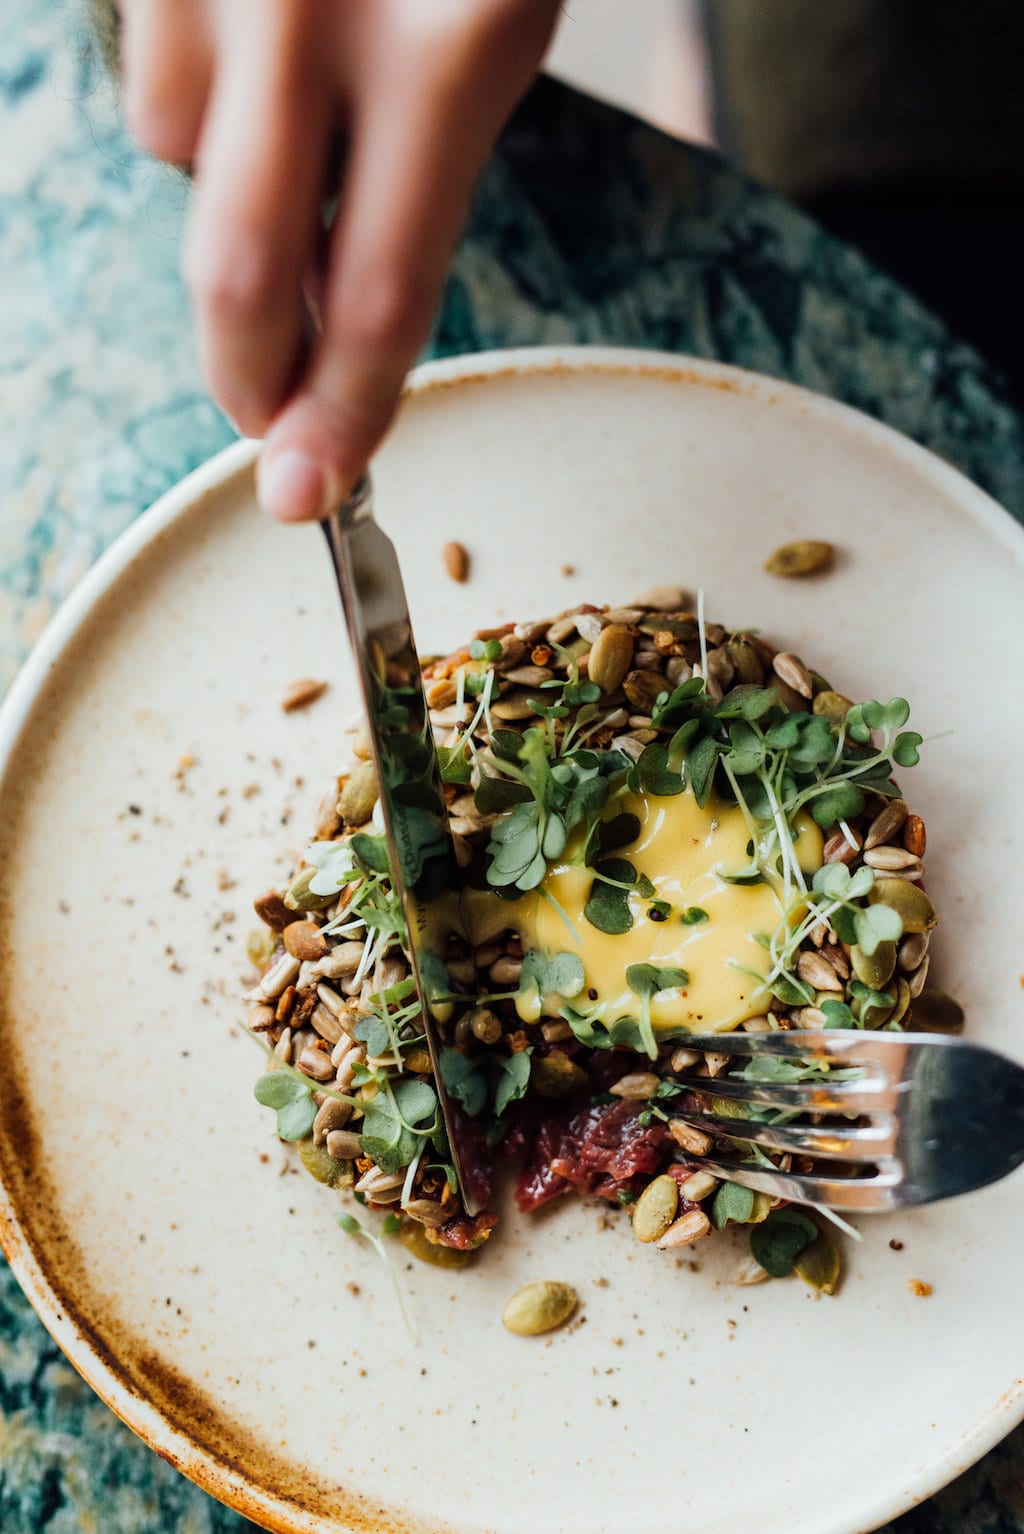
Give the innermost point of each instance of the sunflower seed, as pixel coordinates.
(590, 626)
(636, 1084)
(698, 1186)
(791, 670)
(691, 1227)
(331, 1115)
(917, 978)
(343, 1144)
(529, 676)
(817, 971)
(885, 824)
(892, 859)
(689, 1139)
(662, 599)
(913, 950)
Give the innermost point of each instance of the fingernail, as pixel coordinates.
(292, 486)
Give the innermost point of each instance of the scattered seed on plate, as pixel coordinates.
(538, 1308)
(806, 556)
(456, 561)
(302, 694)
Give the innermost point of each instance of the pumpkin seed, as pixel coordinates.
(611, 657)
(643, 689)
(299, 896)
(875, 969)
(934, 1010)
(832, 706)
(903, 1000)
(791, 670)
(805, 556)
(555, 1075)
(529, 676)
(655, 1209)
(359, 795)
(886, 824)
(427, 1211)
(745, 659)
(720, 667)
(319, 1163)
(539, 1308)
(516, 705)
(636, 1084)
(914, 908)
(414, 1238)
(818, 1264)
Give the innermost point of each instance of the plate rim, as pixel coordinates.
(198, 1461)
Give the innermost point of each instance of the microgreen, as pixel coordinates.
(731, 1203)
(561, 975)
(513, 1076)
(292, 1102)
(371, 852)
(645, 981)
(607, 906)
(334, 863)
(777, 1241)
(485, 649)
(351, 1226)
(464, 1080)
(694, 915)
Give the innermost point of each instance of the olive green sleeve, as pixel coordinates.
(818, 96)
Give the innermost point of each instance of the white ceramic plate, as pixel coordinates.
(213, 1301)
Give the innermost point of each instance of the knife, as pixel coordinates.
(424, 869)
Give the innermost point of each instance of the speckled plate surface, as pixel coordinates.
(150, 784)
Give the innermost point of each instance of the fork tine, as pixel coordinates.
(867, 1095)
(866, 1194)
(866, 1143)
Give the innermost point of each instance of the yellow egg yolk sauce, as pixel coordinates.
(684, 850)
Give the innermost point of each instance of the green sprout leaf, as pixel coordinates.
(372, 852)
(561, 975)
(464, 1080)
(654, 775)
(700, 767)
(779, 1240)
(607, 907)
(291, 1100)
(694, 916)
(648, 979)
(513, 1078)
(842, 802)
(731, 1202)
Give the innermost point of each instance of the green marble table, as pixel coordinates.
(588, 227)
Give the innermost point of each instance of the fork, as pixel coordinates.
(944, 1116)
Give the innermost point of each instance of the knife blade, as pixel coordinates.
(424, 868)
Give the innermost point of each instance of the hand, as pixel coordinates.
(392, 106)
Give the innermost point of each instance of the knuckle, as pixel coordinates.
(157, 127)
(387, 312)
(232, 276)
